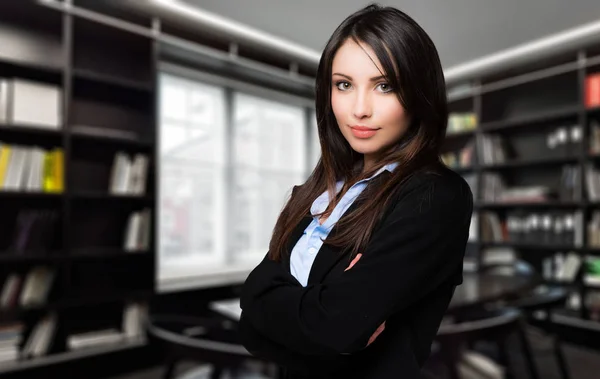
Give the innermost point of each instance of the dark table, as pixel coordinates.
(481, 288)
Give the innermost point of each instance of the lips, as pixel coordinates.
(363, 131)
(363, 128)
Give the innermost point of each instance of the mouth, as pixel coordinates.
(362, 128)
(363, 131)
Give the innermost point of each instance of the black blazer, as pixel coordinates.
(406, 277)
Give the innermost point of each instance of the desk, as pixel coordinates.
(480, 288)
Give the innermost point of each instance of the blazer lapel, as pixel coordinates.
(328, 256)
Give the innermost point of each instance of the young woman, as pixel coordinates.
(366, 254)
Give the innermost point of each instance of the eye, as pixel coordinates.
(342, 85)
(385, 88)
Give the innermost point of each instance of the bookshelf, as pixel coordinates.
(532, 162)
(70, 253)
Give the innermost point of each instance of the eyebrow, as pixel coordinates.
(350, 78)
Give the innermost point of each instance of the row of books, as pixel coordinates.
(30, 103)
(594, 137)
(561, 267)
(491, 149)
(137, 233)
(594, 230)
(29, 290)
(591, 275)
(592, 182)
(565, 267)
(134, 316)
(593, 305)
(592, 90)
(40, 339)
(37, 230)
(562, 141)
(128, 175)
(42, 334)
(461, 122)
(11, 335)
(556, 228)
(31, 168)
(461, 158)
(495, 189)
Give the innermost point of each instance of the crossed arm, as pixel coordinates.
(419, 246)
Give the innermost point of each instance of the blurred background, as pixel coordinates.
(147, 147)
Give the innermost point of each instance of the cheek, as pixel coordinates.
(394, 115)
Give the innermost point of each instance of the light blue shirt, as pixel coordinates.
(305, 251)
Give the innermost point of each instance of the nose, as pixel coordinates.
(362, 105)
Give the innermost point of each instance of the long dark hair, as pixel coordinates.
(412, 67)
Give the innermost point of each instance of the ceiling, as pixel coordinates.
(461, 29)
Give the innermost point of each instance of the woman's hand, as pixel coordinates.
(382, 326)
(354, 261)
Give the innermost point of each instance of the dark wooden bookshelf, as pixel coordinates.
(107, 253)
(529, 205)
(103, 196)
(106, 78)
(460, 134)
(540, 247)
(112, 80)
(540, 162)
(67, 356)
(30, 195)
(526, 114)
(29, 130)
(111, 140)
(569, 112)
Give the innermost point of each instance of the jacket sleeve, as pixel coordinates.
(262, 347)
(419, 246)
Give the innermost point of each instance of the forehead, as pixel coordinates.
(356, 60)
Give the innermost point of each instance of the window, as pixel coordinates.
(269, 159)
(192, 177)
(223, 179)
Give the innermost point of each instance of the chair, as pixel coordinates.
(484, 325)
(541, 298)
(546, 299)
(204, 339)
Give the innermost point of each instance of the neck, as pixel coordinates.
(368, 163)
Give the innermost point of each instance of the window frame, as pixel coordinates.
(223, 274)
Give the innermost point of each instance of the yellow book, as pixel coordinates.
(58, 170)
(48, 177)
(4, 159)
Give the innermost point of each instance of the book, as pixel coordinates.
(592, 91)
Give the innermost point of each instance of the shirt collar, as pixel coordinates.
(322, 201)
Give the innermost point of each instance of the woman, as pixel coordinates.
(366, 254)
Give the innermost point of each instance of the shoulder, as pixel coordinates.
(440, 192)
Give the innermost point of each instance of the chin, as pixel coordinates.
(364, 147)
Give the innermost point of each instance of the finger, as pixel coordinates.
(354, 261)
(379, 330)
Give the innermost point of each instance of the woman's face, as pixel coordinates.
(366, 108)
